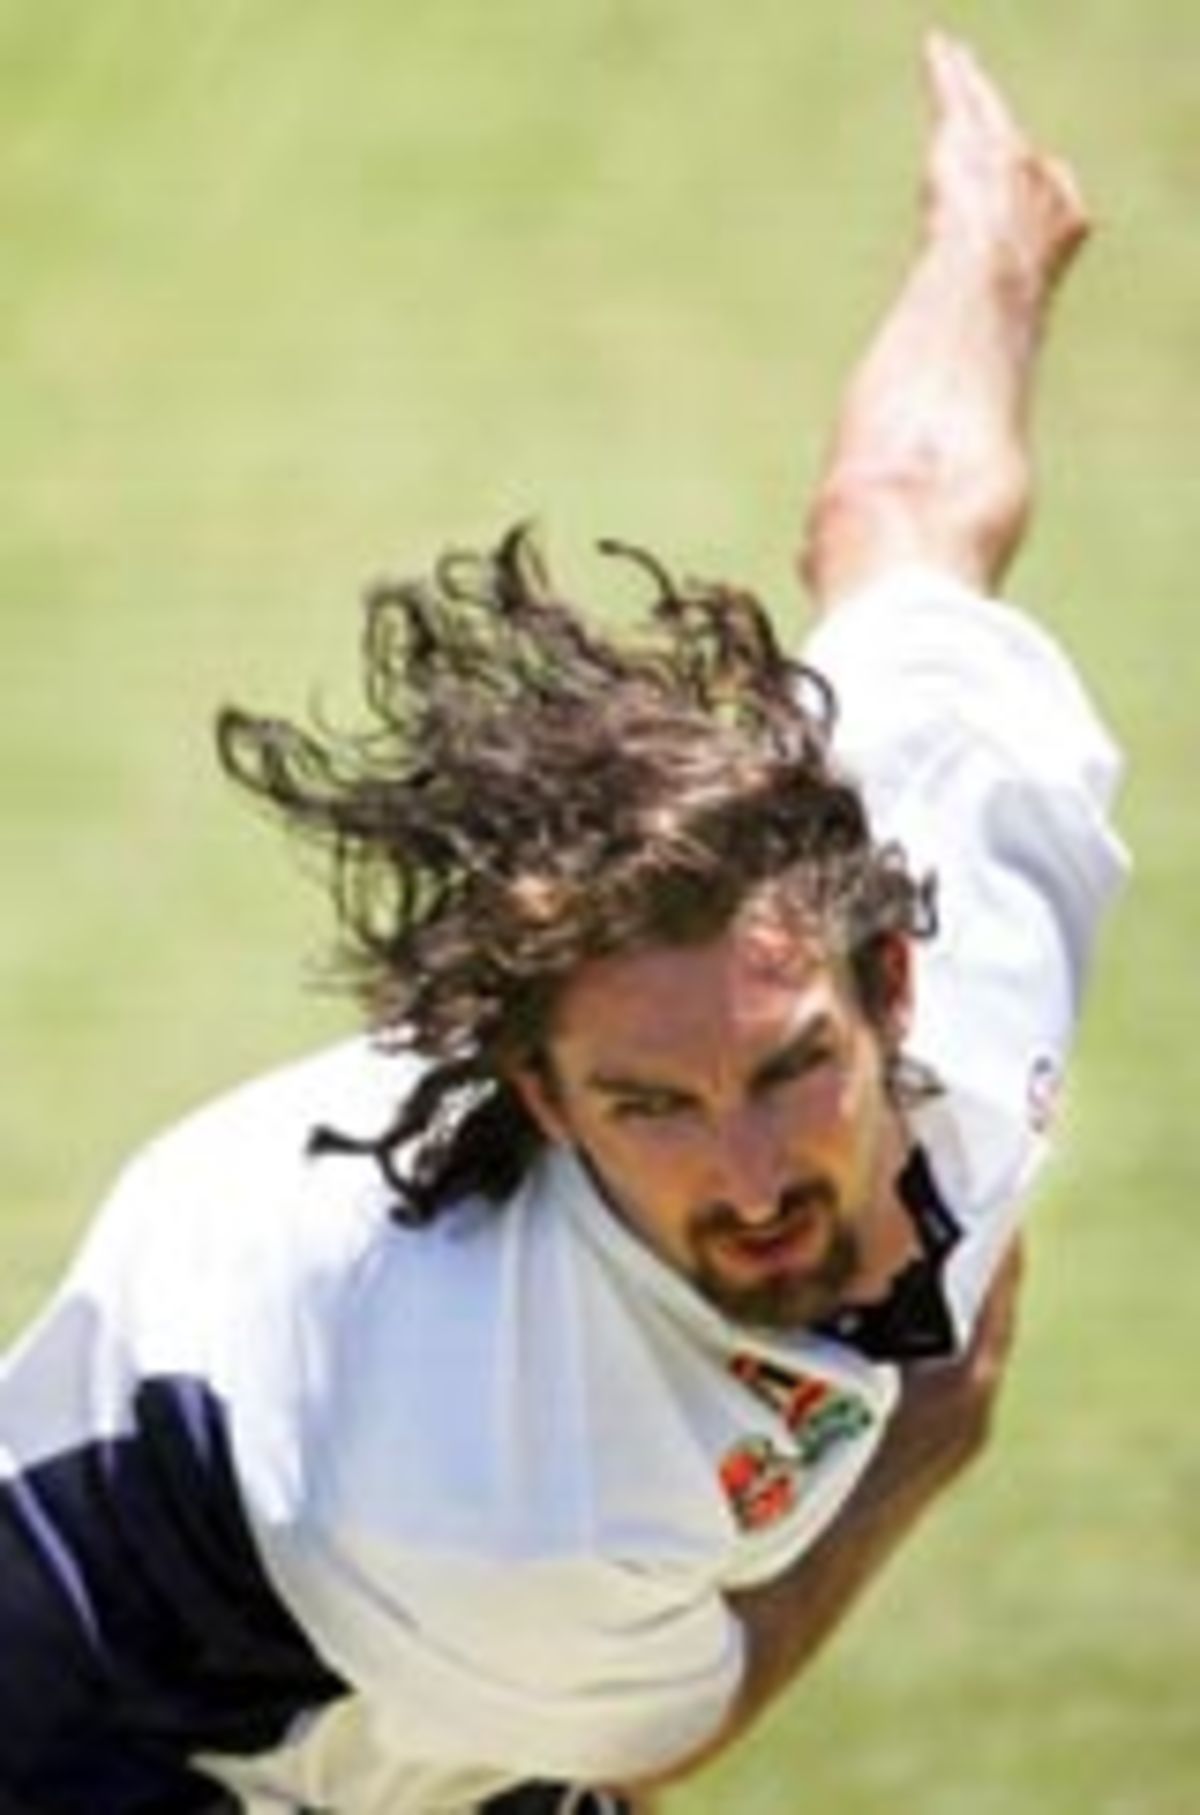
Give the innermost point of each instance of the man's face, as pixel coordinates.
(728, 1099)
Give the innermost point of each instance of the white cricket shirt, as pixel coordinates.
(500, 1472)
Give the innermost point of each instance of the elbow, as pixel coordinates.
(866, 521)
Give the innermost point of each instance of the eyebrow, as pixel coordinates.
(794, 1051)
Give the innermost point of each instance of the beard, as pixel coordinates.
(749, 1274)
(788, 1296)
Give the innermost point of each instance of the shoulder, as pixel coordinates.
(252, 1141)
(982, 755)
(357, 1080)
(223, 1246)
(928, 674)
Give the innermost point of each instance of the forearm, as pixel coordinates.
(788, 1621)
(930, 456)
(940, 1426)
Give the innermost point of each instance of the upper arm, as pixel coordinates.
(980, 753)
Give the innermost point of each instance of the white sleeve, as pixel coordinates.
(980, 753)
(580, 1669)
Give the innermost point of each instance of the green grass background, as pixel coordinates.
(291, 293)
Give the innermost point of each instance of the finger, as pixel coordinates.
(967, 105)
(943, 75)
(935, 67)
(982, 97)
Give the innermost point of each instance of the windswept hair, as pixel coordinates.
(530, 793)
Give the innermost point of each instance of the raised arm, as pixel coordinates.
(930, 459)
(929, 464)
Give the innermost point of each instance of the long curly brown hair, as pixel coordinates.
(529, 794)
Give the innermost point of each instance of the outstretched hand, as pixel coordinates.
(987, 188)
(929, 463)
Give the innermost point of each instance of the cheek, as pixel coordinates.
(653, 1182)
(829, 1097)
(824, 1117)
(815, 1109)
(650, 1150)
(659, 1173)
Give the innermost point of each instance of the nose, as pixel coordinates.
(750, 1167)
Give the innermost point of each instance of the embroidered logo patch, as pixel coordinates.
(759, 1482)
(1043, 1090)
(762, 1481)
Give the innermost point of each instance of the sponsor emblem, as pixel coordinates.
(762, 1481)
(759, 1482)
(1042, 1092)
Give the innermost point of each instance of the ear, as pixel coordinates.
(899, 986)
(534, 1084)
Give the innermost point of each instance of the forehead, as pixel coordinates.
(751, 986)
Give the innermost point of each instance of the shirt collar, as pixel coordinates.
(568, 1186)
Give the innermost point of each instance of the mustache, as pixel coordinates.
(797, 1203)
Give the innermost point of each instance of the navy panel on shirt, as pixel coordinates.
(556, 1799)
(137, 1625)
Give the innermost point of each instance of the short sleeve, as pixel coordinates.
(980, 753)
(581, 1669)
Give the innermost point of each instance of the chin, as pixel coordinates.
(786, 1300)
(774, 1304)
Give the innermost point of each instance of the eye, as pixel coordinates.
(798, 1062)
(649, 1106)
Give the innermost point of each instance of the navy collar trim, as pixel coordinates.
(913, 1321)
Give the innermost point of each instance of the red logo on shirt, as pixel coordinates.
(796, 1397)
(762, 1481)
(759, 1483)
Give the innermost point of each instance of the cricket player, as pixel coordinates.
(498, 1411)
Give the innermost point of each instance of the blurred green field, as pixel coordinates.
(292, 293)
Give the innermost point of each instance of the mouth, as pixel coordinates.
(789, 1272)
(797, 1243)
